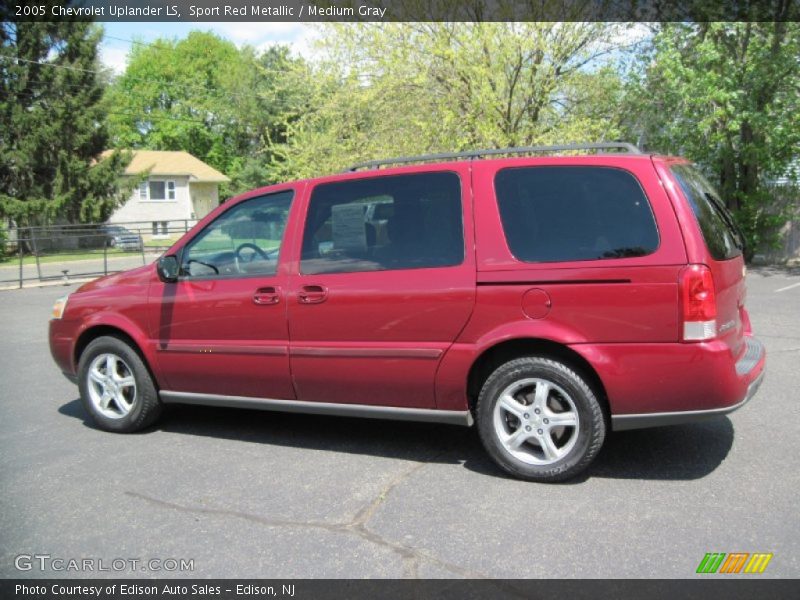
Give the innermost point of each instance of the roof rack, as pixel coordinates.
(471, 154)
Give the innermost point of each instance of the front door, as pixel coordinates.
(386, 282)
(221, 328)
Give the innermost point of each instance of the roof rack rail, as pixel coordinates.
(471, 154)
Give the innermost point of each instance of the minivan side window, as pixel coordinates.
(384, 223)
(566, 213)
(243, 241)
(722, 236)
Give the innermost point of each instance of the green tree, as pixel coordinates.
(726, 95)
(399, 88)
(274, 97)
(175, 95)
(52, 125)
(202, 94)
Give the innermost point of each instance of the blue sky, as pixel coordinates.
(260, 35)
(300, 36)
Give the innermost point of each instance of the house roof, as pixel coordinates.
(162, 162)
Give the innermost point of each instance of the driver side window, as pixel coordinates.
(242, 241)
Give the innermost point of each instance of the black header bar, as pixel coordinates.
(311, 11)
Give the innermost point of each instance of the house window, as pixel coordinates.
(143, 191)
(170, 190)
(161, 228)
(157, 190)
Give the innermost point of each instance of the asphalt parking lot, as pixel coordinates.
(252, 494)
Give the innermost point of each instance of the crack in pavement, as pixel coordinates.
(411, 557)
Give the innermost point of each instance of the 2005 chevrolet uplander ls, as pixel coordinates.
(546, 298)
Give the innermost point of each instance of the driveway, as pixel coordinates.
(251, 494)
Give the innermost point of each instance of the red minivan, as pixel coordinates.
(547, 297)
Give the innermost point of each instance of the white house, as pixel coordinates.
(179, 187)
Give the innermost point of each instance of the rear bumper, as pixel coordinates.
(129, 244)
(650, 385)
(641, 421)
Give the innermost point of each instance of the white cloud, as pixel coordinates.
(302, 44)
(259, 33)
(114, 58)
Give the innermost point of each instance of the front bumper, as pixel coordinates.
(62, 340)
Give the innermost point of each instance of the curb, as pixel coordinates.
(44, 284)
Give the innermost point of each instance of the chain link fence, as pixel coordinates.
(33, 255)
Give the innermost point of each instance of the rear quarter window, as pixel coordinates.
(721, 235)
(566, 213)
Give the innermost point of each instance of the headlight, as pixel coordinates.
(60, 306)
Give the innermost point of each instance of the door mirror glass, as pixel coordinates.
(168, 269)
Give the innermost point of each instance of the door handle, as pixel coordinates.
(267, 295)
(312, 294)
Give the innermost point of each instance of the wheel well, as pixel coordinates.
(503, 352)
(91, 334)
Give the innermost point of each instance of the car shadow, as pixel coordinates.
(681, 452)
(677, 452)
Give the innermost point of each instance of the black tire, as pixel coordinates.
(589, 434)
(145, 406)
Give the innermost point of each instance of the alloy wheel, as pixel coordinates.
(536, 421)
(111, 385)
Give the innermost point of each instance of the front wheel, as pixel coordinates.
(540, 420)
(116, 387)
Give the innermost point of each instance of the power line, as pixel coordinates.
(186, 88)
(142, 116)
(48, 64)
(119, 39)
(148, 117)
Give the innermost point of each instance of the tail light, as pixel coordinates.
(698, 304)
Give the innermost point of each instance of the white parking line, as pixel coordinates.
(788, 287)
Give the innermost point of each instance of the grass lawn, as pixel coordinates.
(211, 244)
(162, 242)
(63, 257)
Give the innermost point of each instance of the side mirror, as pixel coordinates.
(168, 269)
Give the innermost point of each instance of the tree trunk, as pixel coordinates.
(748, 163)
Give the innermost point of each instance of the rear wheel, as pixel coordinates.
(116, 387)
(539, 419)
